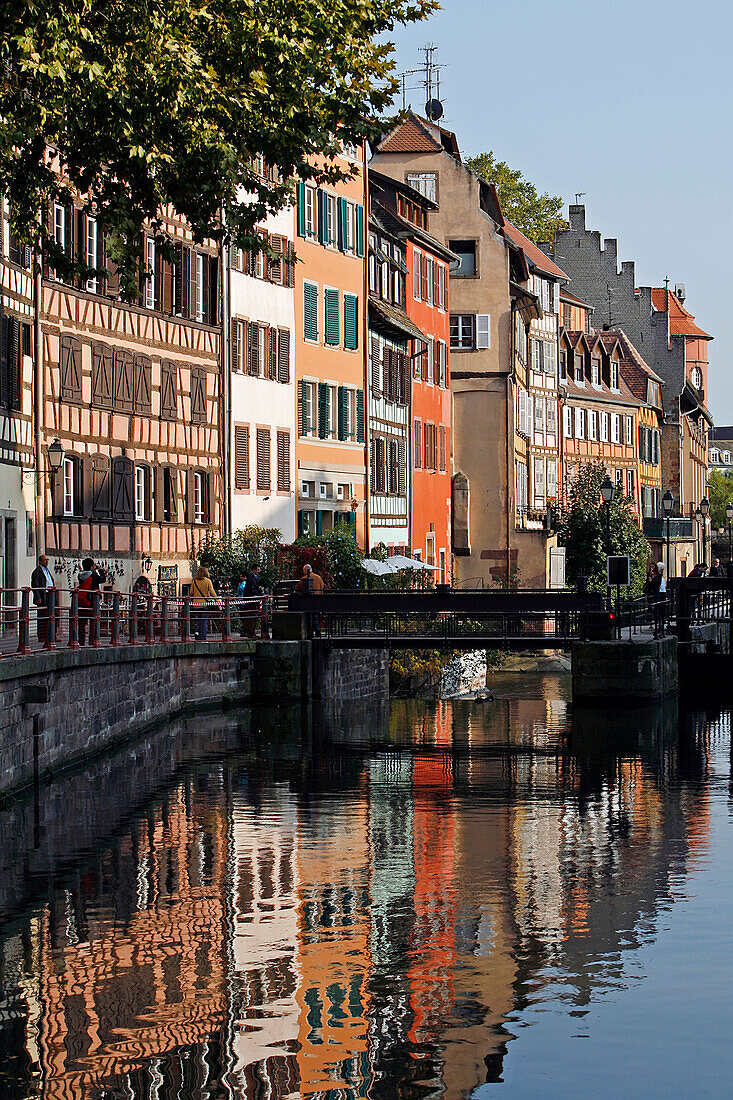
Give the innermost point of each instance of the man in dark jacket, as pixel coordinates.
(91, 580)
(717, 569)
(41, 583)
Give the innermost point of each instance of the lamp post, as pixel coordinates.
(705, 510)
(667, 509)
(729, 517)
(698, 521)
(608, 492)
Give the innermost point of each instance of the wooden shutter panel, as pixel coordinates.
(275, 268)
(301, 403)
(343, 397)
(123, 485)
(417, 445)
(235, 346)
(283, 356)
(112, 282)
(198, 395)
(272, 345)
(142, 370)
(376, 373)
(283, 462)
(122, 381)
(360, 230)
(401, 468)
(191, 295)
(188, 502)
(241, 456)
(102, 355)
(331, 298)
(342, 213)
(211, 299)
(263, 459)
(436, 283)
(166, 287)
(4, 354)
(168, 390)
(360, 416)
(254, 349)
(351, 340)
(70, 364)
(322, 217)
(322, 410)
(101, 487)
(301, 208)
(14, 364)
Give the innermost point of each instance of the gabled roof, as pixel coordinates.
(575, 338)
(681, 321)
(535, 256)
(417, 135)
(609, 341)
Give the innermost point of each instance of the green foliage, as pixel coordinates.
(169, 102)
(342, 555)
(415, 669)
(535, 215)
(226, 558)
(720, 492)
(582, 530)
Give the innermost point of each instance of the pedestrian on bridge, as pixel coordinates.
(310, 584)
(717, 569)
(203, 595)
(41, 582)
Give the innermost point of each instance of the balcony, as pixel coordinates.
(655, 527)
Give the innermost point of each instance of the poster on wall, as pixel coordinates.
(167, 580)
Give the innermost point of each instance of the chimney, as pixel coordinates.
(577, 217)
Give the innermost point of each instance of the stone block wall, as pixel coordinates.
(625, 670)
(342, 675)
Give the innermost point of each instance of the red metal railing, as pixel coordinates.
(32, 620)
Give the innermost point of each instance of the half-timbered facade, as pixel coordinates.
(17, 464)
(132, 393)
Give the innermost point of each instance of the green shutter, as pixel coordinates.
(332, 315)
(319, 523)
(310, 311)
(322, 410)
(342, 227)
(350, 518)
(360, 416)
(360, 230)
(322, 217)
(351, 310)
(301, 208)
(343, 398)
(301, 522)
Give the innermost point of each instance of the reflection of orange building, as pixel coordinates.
(112, 1002)
(333, 948)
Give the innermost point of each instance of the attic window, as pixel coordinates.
(466, 250)
(426, 183)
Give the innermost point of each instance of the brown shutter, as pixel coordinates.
(84, 491)
(166, 290)
(142, 374)
(70, 368)
(122, 381)
(300, 407)
(241, 456)
(159, 493)
(168, 390)
(198, 395)
(263, 459)
(184, 306)
(191, 283)
(100, 487)
(291, 266)
(173, 482)
(123, 490)
(235, 345)
(254, 348)
(102, 355)
(57, 492)
(275, 269)
(283, 462)
(80, 238)
(272, 341)
(158, 279)
(401, 468)
(436, 283)
(112, 287)
(376, 380)
(283, 357)
(210, 497)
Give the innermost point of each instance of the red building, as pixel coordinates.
(426, 305)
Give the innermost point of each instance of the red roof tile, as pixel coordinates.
(681, 321)
(409, 136)
(535, 255)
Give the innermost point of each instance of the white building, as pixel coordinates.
(17, 465)
(262, 387)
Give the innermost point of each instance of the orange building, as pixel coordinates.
(330, 343)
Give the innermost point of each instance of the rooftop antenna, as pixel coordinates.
(578, 196)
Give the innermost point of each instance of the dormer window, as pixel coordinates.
(595, 371)
(614, 375)
(579, 369)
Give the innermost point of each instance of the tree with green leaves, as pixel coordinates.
(129, 105)
(720, 492)
(534, 214)
(582, 531)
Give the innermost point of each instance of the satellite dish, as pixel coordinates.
(434, 109)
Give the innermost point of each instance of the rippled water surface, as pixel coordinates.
(420, 900)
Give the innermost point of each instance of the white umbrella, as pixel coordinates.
(401, 561)
(377, 568)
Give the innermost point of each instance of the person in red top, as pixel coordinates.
(91, 580)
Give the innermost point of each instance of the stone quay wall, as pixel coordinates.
(625, 671)
(59, 708)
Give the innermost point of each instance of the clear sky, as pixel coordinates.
(626, 102)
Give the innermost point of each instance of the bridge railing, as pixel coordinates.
(68, 619)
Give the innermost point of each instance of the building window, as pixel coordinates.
(522, 487)
(615, 428)
(628, 431)
(69, 485)
(592, 424)
(429, 277)
(142, 475)
(350, 242)
(466, 252)
(563, 365)
(441, 286)
(91, 252)
(417, 439)
(310, 211)
(595, 372)
(199, 514)
(199, 287)
(462, 331)
(307, 410)
(416, 271)
(580, 423)
(59, 230)
(604, 427)
(424, 182)
(567, 422)
(614, 374)
(150, 277)
(696, 377)
(330, 212)
(579, 369)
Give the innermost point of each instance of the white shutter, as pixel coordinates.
(549, 357)
(551, 416)
(483, 331)
(552, 477)
(580, 424)
(538, 480)
(604, 427)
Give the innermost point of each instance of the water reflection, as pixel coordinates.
(342, 904)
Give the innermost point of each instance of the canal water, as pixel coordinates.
(416, 900)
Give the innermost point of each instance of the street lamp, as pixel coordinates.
(55, 456)
(705, 510)
(667, 509)
(729, 517)
(608, 492)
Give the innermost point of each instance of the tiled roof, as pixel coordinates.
(410, 136)
(681, 322)
(722, 433)
(384, 313)
(568, 296)
(628, 394)
(535, 255)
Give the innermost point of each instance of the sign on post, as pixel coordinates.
(618, 570)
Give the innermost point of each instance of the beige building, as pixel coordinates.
(489, 545)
